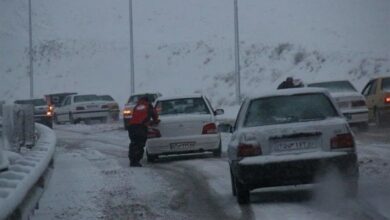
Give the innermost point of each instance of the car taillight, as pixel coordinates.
(210, 128)
(248, 150)
(153, 133)
(79, 108)
(104, 106)
(358, 103)
(387, 100)
(342, 141)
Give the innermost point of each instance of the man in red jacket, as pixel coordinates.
(143, 115)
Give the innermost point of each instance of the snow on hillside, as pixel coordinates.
(187, 46)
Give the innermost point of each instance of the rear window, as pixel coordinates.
(289, 109)
(106, 98)
(386, 84)
(34, 102)
(86, 98)
(337, 86)
(182, 106)
(134, 98)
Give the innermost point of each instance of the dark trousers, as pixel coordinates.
(138, 136)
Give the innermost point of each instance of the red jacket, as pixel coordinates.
(143, 112)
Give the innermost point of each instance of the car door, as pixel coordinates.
(369, 93)
(63, 111)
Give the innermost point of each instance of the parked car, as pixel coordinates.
(377, 93)
(351, 103)
(112, 106)
(76, 108)
(131, 102)
(187, 126)
(43, 113)
(288, 138)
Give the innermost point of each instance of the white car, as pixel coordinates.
(351, 103)
(76, 108)
(288, 138)
(187, 126)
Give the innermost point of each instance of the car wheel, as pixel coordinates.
(71, 119)
(218, 152)
(233, 181)
(151, 158)
(242, 192)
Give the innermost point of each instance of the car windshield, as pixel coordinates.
(289, 109)
(134, 98)
(336, 86)
(386, 84)
(34, 102)
(106, 98)
(86, 98)
(183, 106)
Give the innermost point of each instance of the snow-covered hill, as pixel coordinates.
(187, 46)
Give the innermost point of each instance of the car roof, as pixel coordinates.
(329, 81)
(292, 91)
(180, 97)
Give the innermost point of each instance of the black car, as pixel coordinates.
(43, 113)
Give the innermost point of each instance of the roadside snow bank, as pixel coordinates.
(26, 173)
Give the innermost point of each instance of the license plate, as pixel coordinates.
(182, 146)
(303, 145)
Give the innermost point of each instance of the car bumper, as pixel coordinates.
(356, 117)
(292, 172)
(200, 143)
(90, 114)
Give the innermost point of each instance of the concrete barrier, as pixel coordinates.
(23, 183)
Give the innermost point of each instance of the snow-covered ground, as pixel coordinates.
(92, 180)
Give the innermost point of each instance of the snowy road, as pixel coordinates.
(92, 180)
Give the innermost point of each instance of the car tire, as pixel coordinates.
(242, 192)
(71, 119)
(151, 158)
(233, 181)
(218, 152)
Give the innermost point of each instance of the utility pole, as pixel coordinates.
(30, 51)
(237, 53)
(132, 84)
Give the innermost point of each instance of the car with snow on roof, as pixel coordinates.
(76, 108)
(287, 138)
(187, 125)
(351, 103)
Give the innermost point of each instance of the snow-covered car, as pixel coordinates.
(377, 93)
(351, 103)
(132, 101)
(112, 106)
(289, 137)
(76, 108)
(43, 112)
(187, 126)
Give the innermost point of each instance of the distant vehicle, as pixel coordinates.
(377, 93)
(132, 101)
(351, 103)
(187, 126)
(112, 106)
(76, 108)
(287, 138)
(43, 113)
(56, 99)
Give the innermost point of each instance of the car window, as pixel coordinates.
(367, 88)
(86, 98)
(65, 102)
(239, 116)
(372, 90)
(289, 109)
(386, 84)
(336, 86)
(183, 106)
(106, 98)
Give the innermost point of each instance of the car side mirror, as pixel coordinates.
(225, 128)
(219, 112)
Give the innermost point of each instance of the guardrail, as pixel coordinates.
(28, 167)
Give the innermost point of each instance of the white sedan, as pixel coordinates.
(351, 103)
(76, 108)
(187, 126)
(290, 137)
